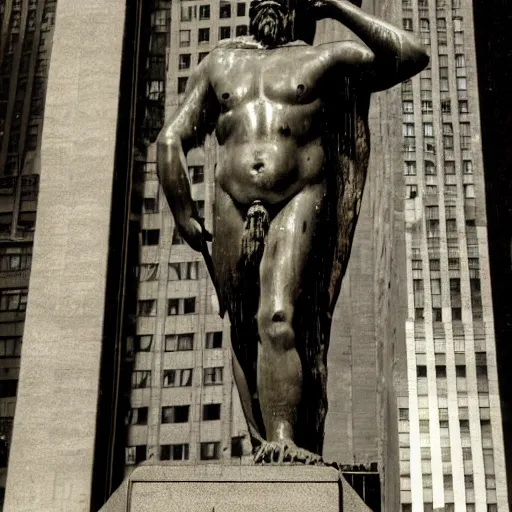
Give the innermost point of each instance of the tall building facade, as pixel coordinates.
(183, 406)
(450, 426)
(25, 46)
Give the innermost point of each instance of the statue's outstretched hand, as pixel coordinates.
(194, 233)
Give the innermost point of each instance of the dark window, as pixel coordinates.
(149, 205)
(203, 35)
(241, 30)
(204, 12)
(182, 84)
(178, 378)
(214, 339)
(211, 412)
(141, 379)
(440, 371)
(10, 346)
(456, 314)
(196, 173)
(174, 452)
(150, 236)
(210, 451)
(184, 61)
(189, 305)
(175, 414)
(225, 10)
(437, 315)
(13, 300)
(460, 371)
(421, 371)
(8, 388)
(240, 9)
(224, 32)
(237, 448)
(146, 307)
(138, 416)
(201, 56)
(179, 342)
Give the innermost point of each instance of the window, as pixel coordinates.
(410, 168)
(446, 107)
(457, 24)
(463, 107)
(210, 451)
(462, 84)
(184, 62)
(426, 107)
(465, 136)
(430, 168)
(214, 339)
(240, 9)
(13, 300)
(241, 30)
(403, 414)
(204, 12)
(451, 225)
(456, 314)
(143, 342)
(418, 314)
(189, 305)
(174, 452)
(141, 379)
(135, 454)
(424, 25)
(211, 412)
(196, 173)
(417, 265)
(449, 167)
(407, 87)
(149, 205)
(180, 378)
(468, 481)
(146, 307)
(408, 130)
(459, 38)
(428, 130)
(150, 236)
(184, 38)
(138, 416)
(203, 35)
(453, 264)
(182, 84)
(407, 107)
(179, 342)
(441, 372)
(437, 315)
(212, 376)
(407, 24)
(225, 10)
(175, 414)
(188, 13)
(188, 271)
(224, 32)
(421, 371)
(237, 448)
(10, 346)
(443, 77)
(200, 208)
(411, 191)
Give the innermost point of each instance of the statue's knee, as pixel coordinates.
(275, 327)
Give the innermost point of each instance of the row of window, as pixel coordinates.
(208, 451)
(437, 314)
(174, 414)
(449, 168)
(13, 300)
(427, 106)
(459, 345)
(450, 191)
(178, 271)
(190, 13)
(178, 342)
(449, 507)
(204, 36)
(177, 378)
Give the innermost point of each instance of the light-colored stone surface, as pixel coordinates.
(203, 488)
(52, 450)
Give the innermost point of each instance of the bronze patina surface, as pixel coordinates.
(291, 121)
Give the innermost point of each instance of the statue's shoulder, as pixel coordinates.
(239, 43)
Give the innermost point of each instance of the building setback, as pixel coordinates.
(450, 427)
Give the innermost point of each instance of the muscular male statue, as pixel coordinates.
(291, 125)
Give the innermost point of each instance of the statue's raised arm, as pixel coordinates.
(187, 129)
(398, 54)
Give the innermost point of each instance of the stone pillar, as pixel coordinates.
(51, 458)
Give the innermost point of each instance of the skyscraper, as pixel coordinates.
(25, 46)
(451, 442)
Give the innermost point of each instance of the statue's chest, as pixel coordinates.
(282, 80)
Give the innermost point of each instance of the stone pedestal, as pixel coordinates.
(169, 487)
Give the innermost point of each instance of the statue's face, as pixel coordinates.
(270, 22)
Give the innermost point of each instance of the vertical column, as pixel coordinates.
(51, 456)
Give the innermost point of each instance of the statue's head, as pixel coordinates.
(277, 22)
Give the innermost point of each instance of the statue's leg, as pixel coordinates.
(239, 295)
(287, 251)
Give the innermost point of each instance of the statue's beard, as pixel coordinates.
(270, 26)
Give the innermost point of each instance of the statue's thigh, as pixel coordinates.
(287, 248)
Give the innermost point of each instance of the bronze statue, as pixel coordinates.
(291, 124)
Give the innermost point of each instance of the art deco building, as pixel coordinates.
(25, 46)
(451, 441)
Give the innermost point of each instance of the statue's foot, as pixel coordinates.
(273, 452)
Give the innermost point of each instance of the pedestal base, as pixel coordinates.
(160, 487)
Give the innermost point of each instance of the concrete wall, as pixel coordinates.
(53, 443)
